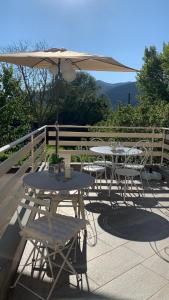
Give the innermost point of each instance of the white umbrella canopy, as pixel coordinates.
(52, 57)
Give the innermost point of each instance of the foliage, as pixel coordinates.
(153, 85)
(3, 156)
(55, 159)
(79, 102)
(36, 84)
(150, 80)
(14, 108)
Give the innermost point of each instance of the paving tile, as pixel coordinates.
(162, 294)
(138, 283)
(91, 285)
(100, 249)
(111, 240)
(147, 249)
(159, 263)
(98, 228)
(112, 264)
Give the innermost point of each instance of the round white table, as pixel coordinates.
(49, 182)
(116, 151)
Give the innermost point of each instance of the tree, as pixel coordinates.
(14, 108)
(81, 103)
(150, 80)
(36, 83)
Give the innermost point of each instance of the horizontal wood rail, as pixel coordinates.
(107, 134)
(71, 138)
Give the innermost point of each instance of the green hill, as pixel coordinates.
(118, 93)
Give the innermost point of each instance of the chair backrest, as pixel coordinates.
(141, 158)
(88, 157)
(98, 141)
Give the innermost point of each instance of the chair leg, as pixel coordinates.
(23, 268)
(65, 261)
(47, 257)
(111, 180)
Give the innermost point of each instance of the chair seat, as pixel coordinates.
(127, 172)
(63, 228)
(93, 168)
(103, 162)
(134, 166)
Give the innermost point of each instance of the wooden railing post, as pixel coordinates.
(45, 140)
(32, 153)
(152, 148)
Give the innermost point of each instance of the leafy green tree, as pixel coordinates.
(150, 79)
(153, 85)
(165, 64)
(14, 109)
(81, 103)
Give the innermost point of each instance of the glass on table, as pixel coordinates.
(68, 172)
(113, 145)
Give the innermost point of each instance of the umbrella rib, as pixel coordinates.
(45, 59)
(110, 63)
(73, 63)
(48, 59)
(114, 64)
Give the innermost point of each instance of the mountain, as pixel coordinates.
(118, 93)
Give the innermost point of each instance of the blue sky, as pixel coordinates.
(117, 28)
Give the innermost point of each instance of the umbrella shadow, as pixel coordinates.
(134, 224)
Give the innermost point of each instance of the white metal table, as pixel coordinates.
(49, 182)
(116, 151)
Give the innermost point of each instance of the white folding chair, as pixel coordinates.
(55, 233)
(101, 160)
(89, 165)
(132, 168)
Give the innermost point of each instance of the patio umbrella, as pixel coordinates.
(63, 63)
(58, 57)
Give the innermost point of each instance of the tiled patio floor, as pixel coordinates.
(131, 257)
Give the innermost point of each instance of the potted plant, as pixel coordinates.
(56, 163)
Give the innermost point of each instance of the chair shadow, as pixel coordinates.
(134, 224)
(145, 202)
(97, 207)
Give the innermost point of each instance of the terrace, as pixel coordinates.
(126, 252)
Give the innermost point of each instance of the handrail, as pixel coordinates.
(95, 126)
(20, 140)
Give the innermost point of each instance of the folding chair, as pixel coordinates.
(132, 168)
(57, 235)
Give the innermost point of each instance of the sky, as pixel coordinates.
(117, 28)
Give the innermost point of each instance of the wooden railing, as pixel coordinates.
(30, 155)
(30, 149)
(71, 137)
(23, 154)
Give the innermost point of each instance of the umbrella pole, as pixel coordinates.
(58, 78)
(57, 135)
